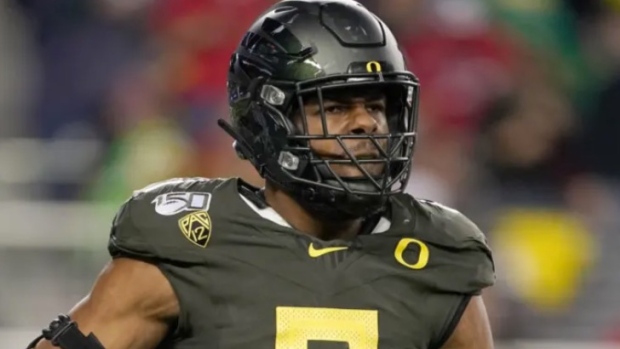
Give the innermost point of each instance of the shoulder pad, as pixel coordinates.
(178, 195)
(463, 260)
(148, 224)
(452, 227)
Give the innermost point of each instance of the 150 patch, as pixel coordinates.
(172, 203)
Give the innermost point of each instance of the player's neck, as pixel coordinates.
(304, 221)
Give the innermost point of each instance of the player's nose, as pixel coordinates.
(362, 122)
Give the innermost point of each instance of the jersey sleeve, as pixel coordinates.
(461, 259)
(150, 224)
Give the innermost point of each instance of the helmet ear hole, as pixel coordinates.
(277, 103)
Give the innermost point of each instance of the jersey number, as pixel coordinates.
(295, 326)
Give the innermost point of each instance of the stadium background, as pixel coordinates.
(520, 129)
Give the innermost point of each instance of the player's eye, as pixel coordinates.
(376, 108)
(334, 109)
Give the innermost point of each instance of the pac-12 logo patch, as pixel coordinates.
(172, 203)
(196, 227)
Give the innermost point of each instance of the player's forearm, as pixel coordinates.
(65, 333)
(128, 308)
(110, 334)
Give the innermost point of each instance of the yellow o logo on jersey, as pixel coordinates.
(422, 258)
(373, 67)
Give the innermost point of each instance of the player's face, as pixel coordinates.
(348, 115)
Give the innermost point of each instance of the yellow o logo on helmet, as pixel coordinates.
(373, 67)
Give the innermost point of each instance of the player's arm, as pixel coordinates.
(130, 307)
(473, 330)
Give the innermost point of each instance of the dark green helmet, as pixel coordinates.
(301, 49)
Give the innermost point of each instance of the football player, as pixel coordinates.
(330, 253)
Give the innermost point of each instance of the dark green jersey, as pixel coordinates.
(244, 281)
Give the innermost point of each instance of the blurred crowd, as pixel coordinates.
(519, 128)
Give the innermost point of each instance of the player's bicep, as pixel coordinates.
(473, 330)
(129, 306)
